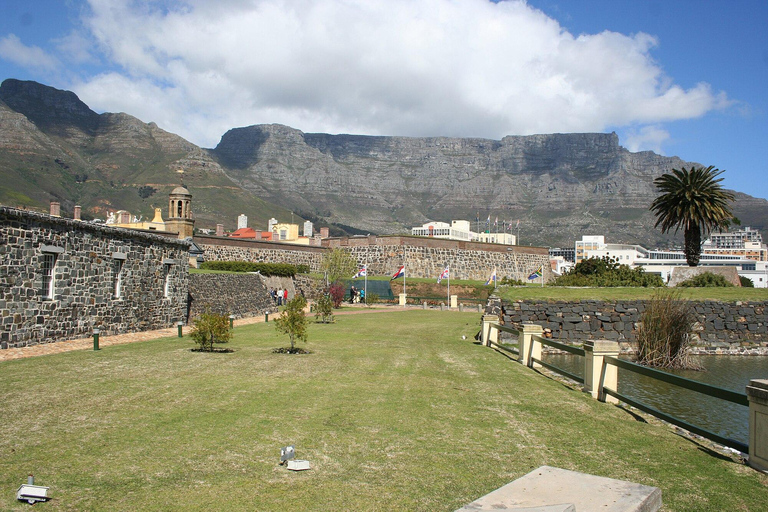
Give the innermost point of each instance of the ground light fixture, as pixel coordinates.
(287, 457)
(32, 493)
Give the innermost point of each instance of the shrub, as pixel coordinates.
(293, 321)
(746, 282)
(706, 280)
(324, 309)
(607, 272)
(336, 290)
(509, 281)
(266, 269)
(302, 269)
(372, 298)
(210, 328)
(665, 332)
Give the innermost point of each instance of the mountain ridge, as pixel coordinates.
(560, 186)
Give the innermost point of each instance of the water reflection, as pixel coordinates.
(724, 418)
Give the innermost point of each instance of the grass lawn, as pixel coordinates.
(393, 410)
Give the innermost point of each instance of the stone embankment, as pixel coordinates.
(728, 328)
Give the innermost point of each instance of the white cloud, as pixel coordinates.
(75, 48)
(647, 138)
(395, 67)
(30, 57)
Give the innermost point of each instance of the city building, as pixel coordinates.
(242, 221)
(461, 230)
(747, 243)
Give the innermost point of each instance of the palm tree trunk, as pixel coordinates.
(692, 245)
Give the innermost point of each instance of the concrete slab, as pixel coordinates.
(554, 487)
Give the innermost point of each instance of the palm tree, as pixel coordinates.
(692, 199)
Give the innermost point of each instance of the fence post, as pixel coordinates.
(488, 334)
(598, 374)
(757, 394)
(527, 347)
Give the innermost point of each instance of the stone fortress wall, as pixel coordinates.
(153, 272)
(423, 257)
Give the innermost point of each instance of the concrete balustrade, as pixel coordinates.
(527, 346)
(487, 334)
(597, 374)
(757, 393)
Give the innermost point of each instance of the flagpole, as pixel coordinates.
(404, 295)
(365, 285)
(449, 285)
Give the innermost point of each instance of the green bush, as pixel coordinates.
(210, 328)
(508, 281)
(706, 280)
(266, 269)
(607, 272)
(372, 298)
(302, 269)
(746, 282)
(324, 309)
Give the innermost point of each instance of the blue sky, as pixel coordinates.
(680, 77)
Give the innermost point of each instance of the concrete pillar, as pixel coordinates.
(598, 374)
(527, 347)
(402, 297)
(55, 209)
(424, 305)
(78, 211)
(757, 394)
(454, 302)
(488, 335)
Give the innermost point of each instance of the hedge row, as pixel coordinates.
(265, 269)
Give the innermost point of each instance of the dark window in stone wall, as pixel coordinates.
(47, 263)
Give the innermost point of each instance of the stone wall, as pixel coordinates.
(721, 324)
(241, 295)
(423, 257)
(153, 274)
(231, 249)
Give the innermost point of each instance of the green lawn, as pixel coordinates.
(393, 410)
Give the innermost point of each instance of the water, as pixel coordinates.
(724, 418)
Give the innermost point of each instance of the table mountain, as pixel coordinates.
(560, 186)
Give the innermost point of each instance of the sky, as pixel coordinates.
(687, 78)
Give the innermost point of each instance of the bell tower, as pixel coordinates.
(180, 218)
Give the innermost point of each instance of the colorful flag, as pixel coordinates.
(442, 276)
(518, 223)
(496, 222)
(538, 273)
(491, 279)
(488, 221)
(399, 273)
(361, 273)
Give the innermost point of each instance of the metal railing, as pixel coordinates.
(699, 387)
(560, 346)
(596, 365)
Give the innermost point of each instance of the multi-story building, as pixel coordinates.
(746, 243)
(460, 230)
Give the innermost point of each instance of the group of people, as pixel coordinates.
(280, 296)
(356, 296)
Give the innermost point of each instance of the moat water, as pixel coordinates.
(724, 418)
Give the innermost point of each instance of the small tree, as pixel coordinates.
(293, 321)
(210, 328)
(336, 291)
(324, 309)
(338, 264)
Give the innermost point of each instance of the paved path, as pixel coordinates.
(120, 339)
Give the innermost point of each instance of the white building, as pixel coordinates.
(662, 262)
(242, 221)
(460, 230)
(271, 224)
(308, 229)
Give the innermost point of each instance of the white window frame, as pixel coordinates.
(167, 263)
(118, 262)
(48, 259)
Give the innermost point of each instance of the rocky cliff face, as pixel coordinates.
(561, 186)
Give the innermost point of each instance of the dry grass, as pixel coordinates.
(393, 410)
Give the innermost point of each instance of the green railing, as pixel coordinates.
(560, 346)
(699, 387)
(506, 348)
